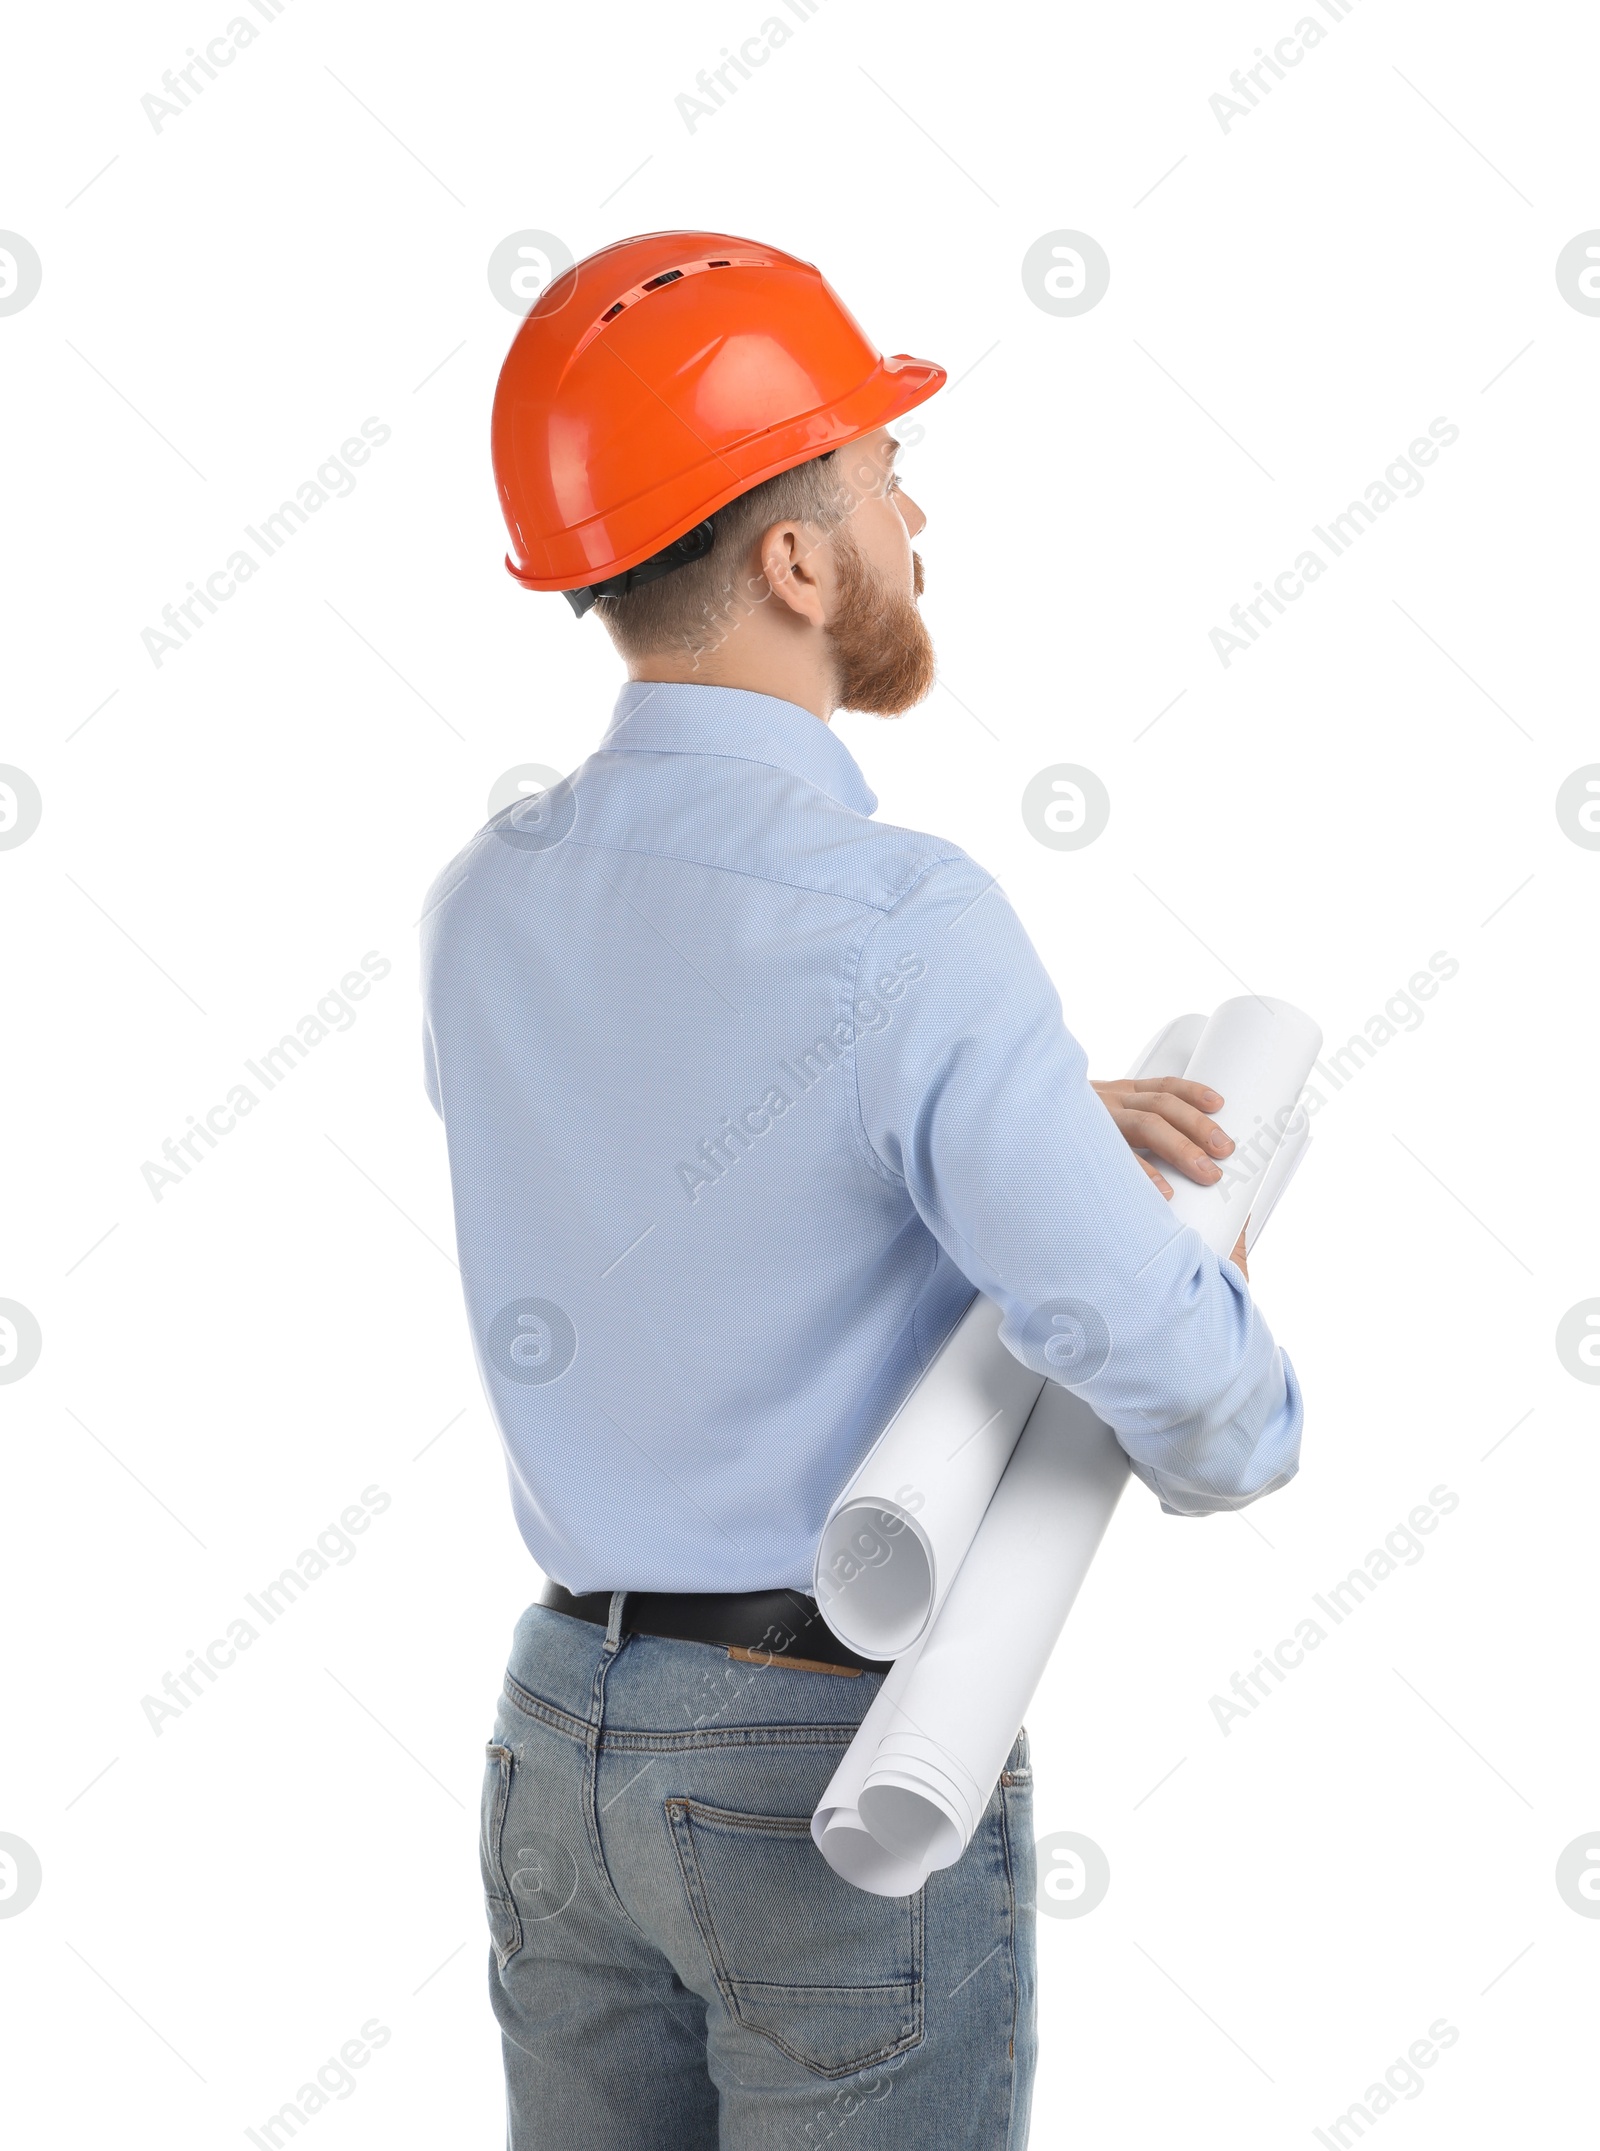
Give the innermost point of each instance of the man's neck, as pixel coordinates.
(810, 686)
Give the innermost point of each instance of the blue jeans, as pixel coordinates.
(674, 1965)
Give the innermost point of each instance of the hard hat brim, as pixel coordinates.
(896, 385)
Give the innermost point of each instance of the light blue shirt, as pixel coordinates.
(746, 1094)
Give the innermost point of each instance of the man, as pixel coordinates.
(746, 1094)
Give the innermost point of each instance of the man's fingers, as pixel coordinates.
(1174, 1102)
(1166, 1116)
(1196, 1094)
(1200, 1128)
(1156, 1132)
(1186, 1115)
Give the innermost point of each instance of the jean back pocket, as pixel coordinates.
(829, 1974)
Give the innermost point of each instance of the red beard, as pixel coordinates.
(882, 649)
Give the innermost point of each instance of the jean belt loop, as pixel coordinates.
(614, 1625)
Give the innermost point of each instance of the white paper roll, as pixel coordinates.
(1257, 1053)
(848, 1846)
(915, 1781)
(1171, 1050)
(1285, 1164)
(897, 1535)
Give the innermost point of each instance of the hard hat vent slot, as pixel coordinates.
(655, 283)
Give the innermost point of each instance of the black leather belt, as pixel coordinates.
(763, 1627)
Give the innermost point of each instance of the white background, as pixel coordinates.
(305, 247)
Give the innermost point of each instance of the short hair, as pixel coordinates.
(695, 605)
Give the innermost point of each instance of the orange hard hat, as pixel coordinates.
(659, 378)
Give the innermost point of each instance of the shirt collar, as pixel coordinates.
(669, 717)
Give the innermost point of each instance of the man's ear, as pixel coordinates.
(792, 559)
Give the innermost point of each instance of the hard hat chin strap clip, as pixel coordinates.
(693, 545)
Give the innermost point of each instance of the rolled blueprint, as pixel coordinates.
(1171, 1050)
(896, 1537)
(846, 1843)
(1258, 1054)
(958, 1710)
(1285, 1163)
(917, 1777)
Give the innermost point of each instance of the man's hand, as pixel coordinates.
(1170, 1116)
